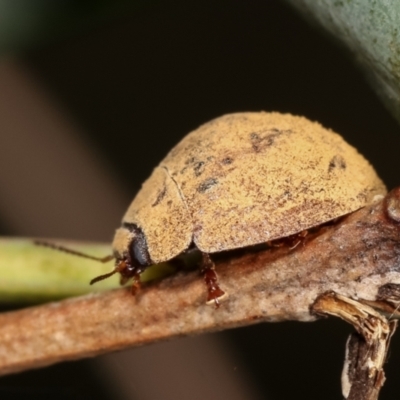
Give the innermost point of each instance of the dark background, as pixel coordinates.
(138, 83)
(141, 83)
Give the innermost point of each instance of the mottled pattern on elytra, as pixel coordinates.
(248, 178)
(160, 212)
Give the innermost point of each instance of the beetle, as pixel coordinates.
(237, 181)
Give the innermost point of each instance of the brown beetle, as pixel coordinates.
(237, 181)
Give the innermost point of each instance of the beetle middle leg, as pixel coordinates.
(291, 241)
(214, 292)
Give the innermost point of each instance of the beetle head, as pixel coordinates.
(130, 252)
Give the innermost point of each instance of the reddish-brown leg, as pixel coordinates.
(296, 239)
(136, 284)
(214, 292)
(291, 241)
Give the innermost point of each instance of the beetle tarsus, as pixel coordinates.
(214, 293)
(136, 284)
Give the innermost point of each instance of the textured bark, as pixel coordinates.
(366, 351)
(354, 257)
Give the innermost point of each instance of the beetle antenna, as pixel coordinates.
(73, 252)
(105, 276)
(118, 268)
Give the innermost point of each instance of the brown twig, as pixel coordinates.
(354, 258)
(363, 375)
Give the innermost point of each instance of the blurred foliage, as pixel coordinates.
(31, 273)
(29, 23)
(370, 29)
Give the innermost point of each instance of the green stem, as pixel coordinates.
(31, 273)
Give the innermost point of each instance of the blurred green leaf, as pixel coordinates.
(370, 29)
(31, 273)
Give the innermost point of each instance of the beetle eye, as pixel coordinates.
(138, 252)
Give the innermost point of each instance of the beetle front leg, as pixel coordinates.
(136, 282)
(214, 293)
